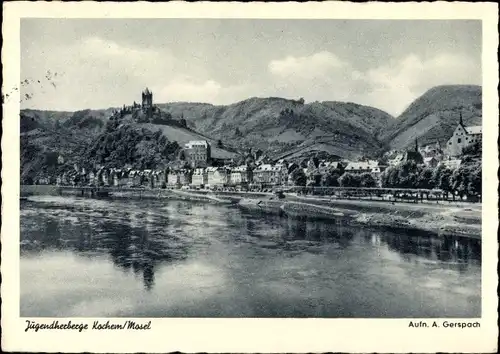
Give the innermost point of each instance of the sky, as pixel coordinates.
(73, 64)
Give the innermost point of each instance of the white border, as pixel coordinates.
(250, 335)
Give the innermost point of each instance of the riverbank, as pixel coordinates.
(457, 219)
(452, 219)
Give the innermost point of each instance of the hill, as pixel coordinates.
(279, 125)
(435, 115)
(83, 137)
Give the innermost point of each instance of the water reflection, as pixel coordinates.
(133, 240)
(248, 265)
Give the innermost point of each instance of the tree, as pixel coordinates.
(474, 186)
(425, 178)
(367, 180)
(408, 173)
(299, 177)
(350, 180)
(444, 181)
(475, 149)
(390, 177)
(315, 180)
(219, 144)
(331, 179)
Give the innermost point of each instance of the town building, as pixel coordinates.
(200, 177)
(173, 179)
(197, 153)
(267, 174)
(185, 177)
(432, 150)
(281, 172)
(135, 178)
(462, 137)
(413, 155)
(452, 164)
(361, 167)
(431, 161)
(241, 175)
(218, 176)
(396, 160)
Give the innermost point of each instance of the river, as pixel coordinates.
(156, 258)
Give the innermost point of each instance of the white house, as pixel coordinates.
(363, 167)
(218, 176)
(462, 137)
(241, 175)
(173, 178)
(200, 177)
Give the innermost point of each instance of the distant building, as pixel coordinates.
(197, 153)
(462, 137)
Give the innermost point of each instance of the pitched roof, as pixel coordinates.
(360, 166)
(190, 144)
(473, 130)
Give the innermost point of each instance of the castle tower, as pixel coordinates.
(147, 102)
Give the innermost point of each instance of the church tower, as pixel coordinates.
(147, 102)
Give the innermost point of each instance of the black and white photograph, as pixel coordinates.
(251, 168)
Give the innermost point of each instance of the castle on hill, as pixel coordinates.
(147, 103)
(148, 112)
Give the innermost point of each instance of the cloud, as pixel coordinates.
(189, 89)
(93, 73)
(394, 86)
(97, 73)
(315, 65)
(391, 87)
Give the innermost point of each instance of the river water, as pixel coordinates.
(154, 258)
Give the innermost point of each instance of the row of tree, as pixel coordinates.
(332, 178)
(466, 180)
